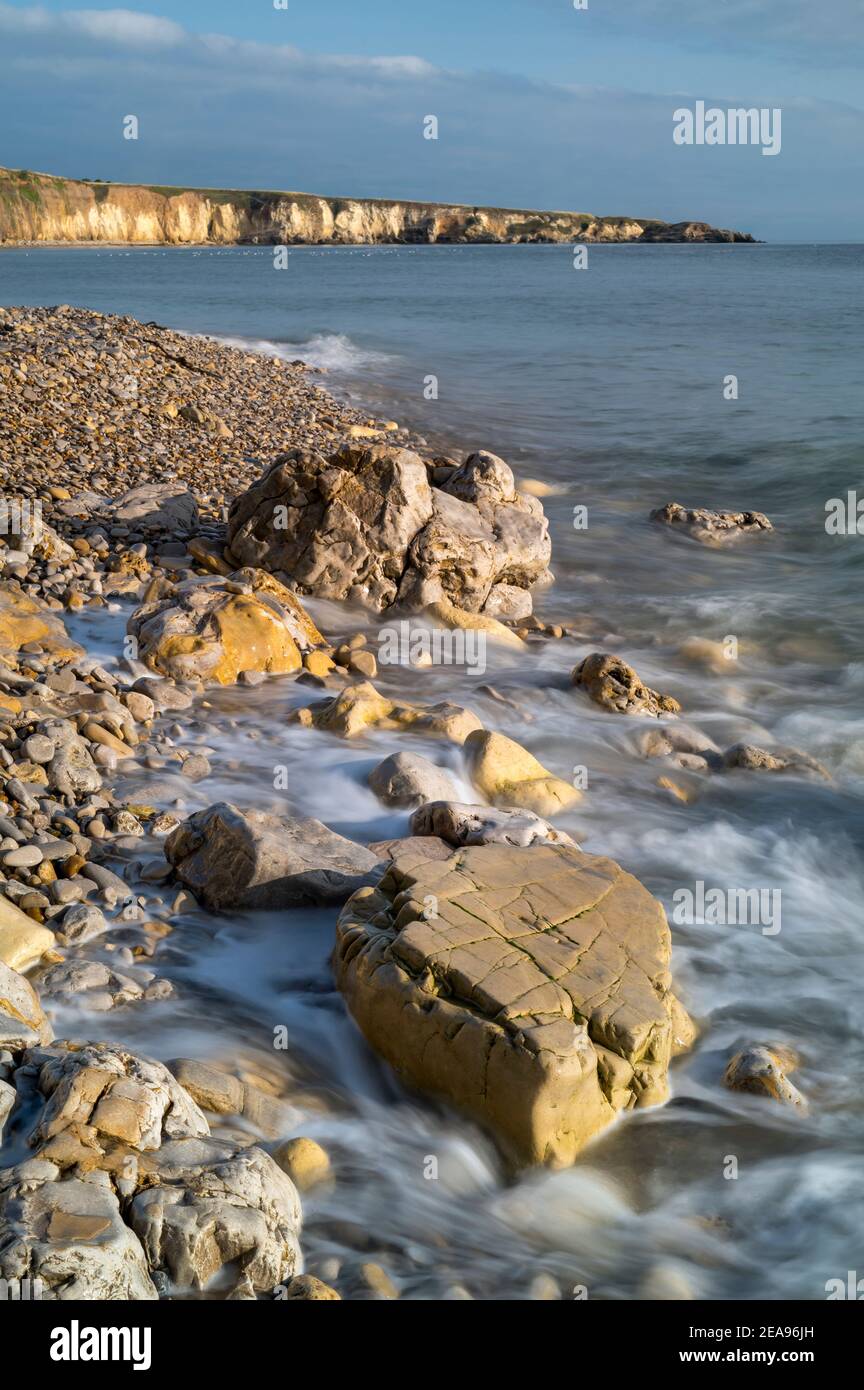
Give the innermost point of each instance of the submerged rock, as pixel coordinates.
(761, 1071)
(250, 859)
(711, 528)
(610, 682)
(407, 779)
(753, 759)
(529, 988)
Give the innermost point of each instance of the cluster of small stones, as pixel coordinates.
(102, 403)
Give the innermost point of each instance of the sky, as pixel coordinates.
(538, 104)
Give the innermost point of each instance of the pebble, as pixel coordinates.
(25, 857)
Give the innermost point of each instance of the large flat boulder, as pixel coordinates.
(529, 988)
(250, 859)
(366, 523)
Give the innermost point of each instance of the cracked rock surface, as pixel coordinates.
(365, 523)
(529, 988)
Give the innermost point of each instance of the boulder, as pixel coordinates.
(168, 508)
(753, 759)
(337, 527)
(448, 615)
(210, 1087)
(407, 779)
(212, 1207)
(361, 707)
(23, 942)
(610, 682)
(711, 528)
(305, 1162)
(366, 523)
(233, 859)
(22, 1022)
(98, 1101)
(72, 770)
(761, 1071)
(509, 776)
(213, 630)
(528, 988)
(7, 1105)
(460, 825)
(71, 1236)
(25, 619)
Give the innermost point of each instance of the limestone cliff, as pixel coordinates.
(39, 207)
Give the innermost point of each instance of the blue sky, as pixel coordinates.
(539, 105)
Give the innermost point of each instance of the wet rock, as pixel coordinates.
(711, 528)
(407, 779)
(529, 988)
(310, 1289)
(509, 776)
(22, 1020)
(250, 859)
(610, 682)
(214, 631)
(305, 1162)
(753, 759)
(362, 707)
(365, 523)
(23, 942)
(761, 1071)
(214, 1090)
(458, 824)
(448, 615)
(212, 1209)
(71, 1236)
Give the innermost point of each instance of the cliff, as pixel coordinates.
(39, 207)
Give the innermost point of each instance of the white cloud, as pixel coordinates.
(135, 31)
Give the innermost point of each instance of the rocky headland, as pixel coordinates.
(38, 207)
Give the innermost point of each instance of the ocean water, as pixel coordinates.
(606, 384)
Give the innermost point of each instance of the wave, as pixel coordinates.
(334, 351)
